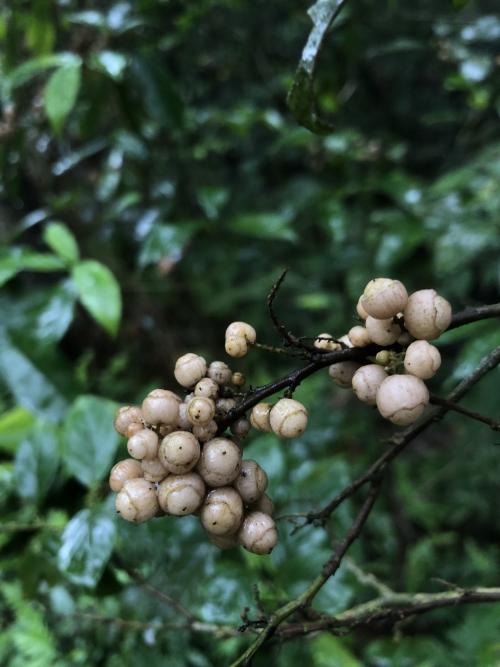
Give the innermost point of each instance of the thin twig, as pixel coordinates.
(438, 400)
(287, 336)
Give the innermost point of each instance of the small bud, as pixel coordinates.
(258, 533)
(242, 329)
(222, 511)
(161, 406)
(366, 382)
(288, 418)
(343, 372)
(122, 471)
(383, 298)
(325, 341)
(200, 410)
(220, 462)
(259, 417)
(220, 372)
(251, 483)
(238, 379)
(154, 470)
(382, 332)
(143, 445)
(126, 416)
(189, 369)
(402, 398)
(236, 346)
(427, 314)
(359, 336)
(137, 501)
(179, 452)
(207, 388)
(181, 494)
(422, 359)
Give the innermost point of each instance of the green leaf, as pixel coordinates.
(31, 388)
(61, 92)
(36, 463)
(166, 241)
(86, 545)
(19, 259)
(59, 238)
(89, 438)
(265, 226)
(330, 651)
(35, 66)
(99, 292)
(15, 424)
(55, 316)
(111, 63)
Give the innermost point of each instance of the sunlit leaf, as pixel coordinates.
(99, 292)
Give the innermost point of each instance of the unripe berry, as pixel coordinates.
(251, 483)
(382, 332)
(154, 470)
(383, 357)
(220, 372)
(137, 501)
(402, 398)
(359, 336)
(360, 310)
(258, 533)
(183, 422)
(122, 471)
(189, 369)
(326, 343)
(220, 462)
(143, 445)
(343, 372)
(205, 432)
(161, 407)
(427, 314)
(127, 416)
(366, 382)
(288, 418)
(236, 346)
(238, 379)
(259, 417)
(207, 388)
(181, 494)
(383, 298)
(422, 359)
(240, 427)
(179, 452)
(222, 511)
(224, 541)
(200, 410)
(242, 329)
(263, 504)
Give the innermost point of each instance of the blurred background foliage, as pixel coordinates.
(153, 186)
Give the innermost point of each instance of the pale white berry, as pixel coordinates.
(189, 369)
(137, 501)
(236, 346)
(422, 359)
(360, 310)
(240, 427)
(220, 462)
(224, 541)
(288, 418)
(359, 336)
(383, 298)
(220, 372)
(181, 494)
(183, 422)
(238, 379)
(382, 332)
(153, 470)
(205, 432)
(346, 341)
(366, 382)
(251, 483)
(143, 445)
(263, 504)
(402, 398)
(179, 452)
(122, 471)
(324, 341)
(259, 417)
(127, 416)
(200, 410)
(161, 406)
(222, 511)
(427, 314)
(242, 329)
(258, 533)
(343, 372)
(224, 405)
(207, 388)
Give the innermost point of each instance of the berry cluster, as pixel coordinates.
(181, 464)
(403, 324)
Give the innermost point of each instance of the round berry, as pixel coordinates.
(161, 407)
(179, 452)
(324, 341)
(189, 369)
(242, 329)
(343, 372)
(224, 405)
(181, 494)
(422, 359)
(360, 310)
(263, 504)
(382, 332)
(236, 346)
(143, 445)
(222, 511)
(220, 462)
(359, 336)
(427, 314)
(251, 483)
(183, 422)
(240, 427)
(258, 533)
(366, 382)
(127, 416)
(207, 388)
(238, 379)
(122, 471)
(153, 470)
(259, 417)
(383, 298)
(200, 410)
(137, 501)
(205, 432)
(402, 398)
(288, 418)
(220, 372)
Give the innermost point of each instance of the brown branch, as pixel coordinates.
(438, 400)
(473, 314)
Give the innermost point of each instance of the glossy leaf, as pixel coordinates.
(15, 424)
(37, 461)
(59, 238)
(60, 94)
(99, 292)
